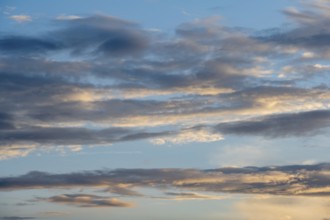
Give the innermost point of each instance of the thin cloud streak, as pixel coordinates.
(87, 201)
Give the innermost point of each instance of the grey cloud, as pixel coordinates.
(114, 36)
(282, 125)
(180, 194)
(316, 40)
(42, 67)
(121, 44)
(27, 45)
(38, 97)
(6, 121)
(87, 200)
(122, 190)
(72, 135)
(309, 180)
(19, 90)
(37, 179)
(201, 56)
(208, 62)
(111, 36)
(97, 34)
(111, 109)
(302, 17)
(16, 218)
(311, 29)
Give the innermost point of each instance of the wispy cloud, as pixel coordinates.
(67, 17)
(293, 124)
(187, 136)
(86, 200)
(21, 18)
(191, 196)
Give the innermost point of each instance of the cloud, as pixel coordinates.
(310, 29)
(188, 136)
(6, 121)
(26, 45)
(16, 218)
(12, 151)
(21, 18)
(98, 35)
(63, 123)
(191, 196)
(122, 189)
(99, 80)
(53, 214)
(284, 125)
(86, 200)
(109, 36)
(67, 17)
(43, 139)
(294, 180)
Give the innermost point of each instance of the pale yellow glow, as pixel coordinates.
(187, 137)
(284, 208)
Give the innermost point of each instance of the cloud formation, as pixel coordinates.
(21, 18)
(16, 218)
(293, 124)
(190, 196)
(86, 200)
(98, 80)
(26, 45)
(294, 180)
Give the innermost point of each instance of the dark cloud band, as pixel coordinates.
(309, 180)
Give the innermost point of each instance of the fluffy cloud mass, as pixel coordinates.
(99, 80)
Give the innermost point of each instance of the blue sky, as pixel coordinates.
(160, 14)
(154, 109)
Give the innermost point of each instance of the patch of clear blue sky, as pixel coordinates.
(161, 14)
(141, 154)
(145, 208)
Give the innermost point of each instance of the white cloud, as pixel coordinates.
(13, 151)
(67, 17)
(188, 136)
(320, 66)
(307, 55)
(21, 18)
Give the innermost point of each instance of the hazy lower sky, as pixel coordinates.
(163, 109)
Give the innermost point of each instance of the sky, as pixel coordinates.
(163, 109)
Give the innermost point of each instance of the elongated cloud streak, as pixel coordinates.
(308, 180)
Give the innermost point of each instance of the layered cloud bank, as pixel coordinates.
(99, 80)
(295, 180)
